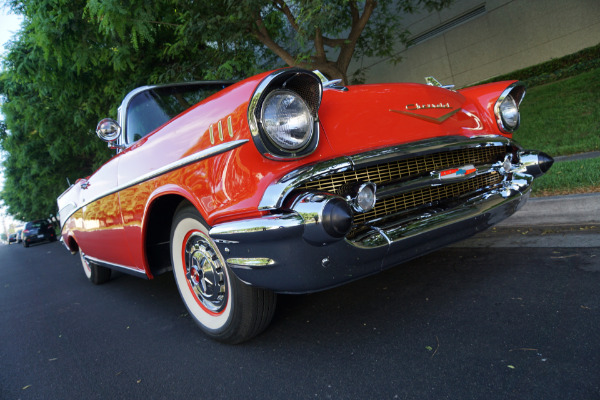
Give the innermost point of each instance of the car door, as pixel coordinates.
(101, 236)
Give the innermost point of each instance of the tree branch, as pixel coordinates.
(262, 34)
(354, 12)
(320, 49)
(358, 25)
(283, 7)
(333, 42)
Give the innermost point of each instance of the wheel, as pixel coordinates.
(224, 307)
(95, 273)
(25, 244)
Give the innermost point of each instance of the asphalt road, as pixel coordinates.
(462, 323)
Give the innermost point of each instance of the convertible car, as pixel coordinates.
(287, 182)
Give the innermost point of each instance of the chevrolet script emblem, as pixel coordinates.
(416, 107)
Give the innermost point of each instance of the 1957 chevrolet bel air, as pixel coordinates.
(289, 183)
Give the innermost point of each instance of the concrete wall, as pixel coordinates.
(508, 35)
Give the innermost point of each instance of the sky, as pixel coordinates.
(9, 25)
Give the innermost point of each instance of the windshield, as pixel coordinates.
(152, 108)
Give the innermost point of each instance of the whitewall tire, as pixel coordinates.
(225, 308)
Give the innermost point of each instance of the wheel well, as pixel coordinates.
(158, 233)
(72, 245)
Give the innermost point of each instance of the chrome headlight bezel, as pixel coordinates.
(308, 88)
(506, 109)
(280, 109)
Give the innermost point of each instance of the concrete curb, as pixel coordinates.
(579, 209)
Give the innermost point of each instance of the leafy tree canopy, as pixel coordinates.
(74, 60)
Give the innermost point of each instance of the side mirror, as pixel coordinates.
(109, 130)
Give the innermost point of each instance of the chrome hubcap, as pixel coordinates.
(204, 272)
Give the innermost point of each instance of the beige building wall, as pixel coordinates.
(504, 36)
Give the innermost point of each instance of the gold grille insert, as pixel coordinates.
(428, 195)
(410, 167)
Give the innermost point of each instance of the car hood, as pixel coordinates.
(372, 116)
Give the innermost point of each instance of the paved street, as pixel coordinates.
(469, 322)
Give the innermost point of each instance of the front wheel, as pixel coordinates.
(224, 307)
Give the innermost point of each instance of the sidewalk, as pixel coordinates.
(576, 210)
(555, 222)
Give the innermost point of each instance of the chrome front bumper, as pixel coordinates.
(291, 251)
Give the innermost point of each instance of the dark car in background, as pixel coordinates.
(12, 238)
(38, 231)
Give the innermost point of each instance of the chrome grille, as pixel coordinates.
(407, 168)
(411, 168)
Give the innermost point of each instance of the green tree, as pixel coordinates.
(314, 34)
(74, 60)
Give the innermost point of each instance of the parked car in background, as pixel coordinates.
(289, 183)
(12, 238)
(40, 230)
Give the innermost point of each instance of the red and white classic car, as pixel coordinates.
(289, 183)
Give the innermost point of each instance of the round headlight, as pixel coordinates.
(286, 119)
(509, 112)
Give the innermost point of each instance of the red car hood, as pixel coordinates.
(372, 116)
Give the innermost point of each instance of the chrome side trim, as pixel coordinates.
(199, 156)
(277, 191)
(228, 231)
(123, 268)
(251, 262)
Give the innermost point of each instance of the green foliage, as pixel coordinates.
(569, 177)
(561, 118)
(74, 60)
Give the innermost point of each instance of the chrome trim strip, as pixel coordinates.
(263, 224)
(251, 262)
(427, 146)
(118, 267)
(199, 156)
(277, 191)
(229, 127)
